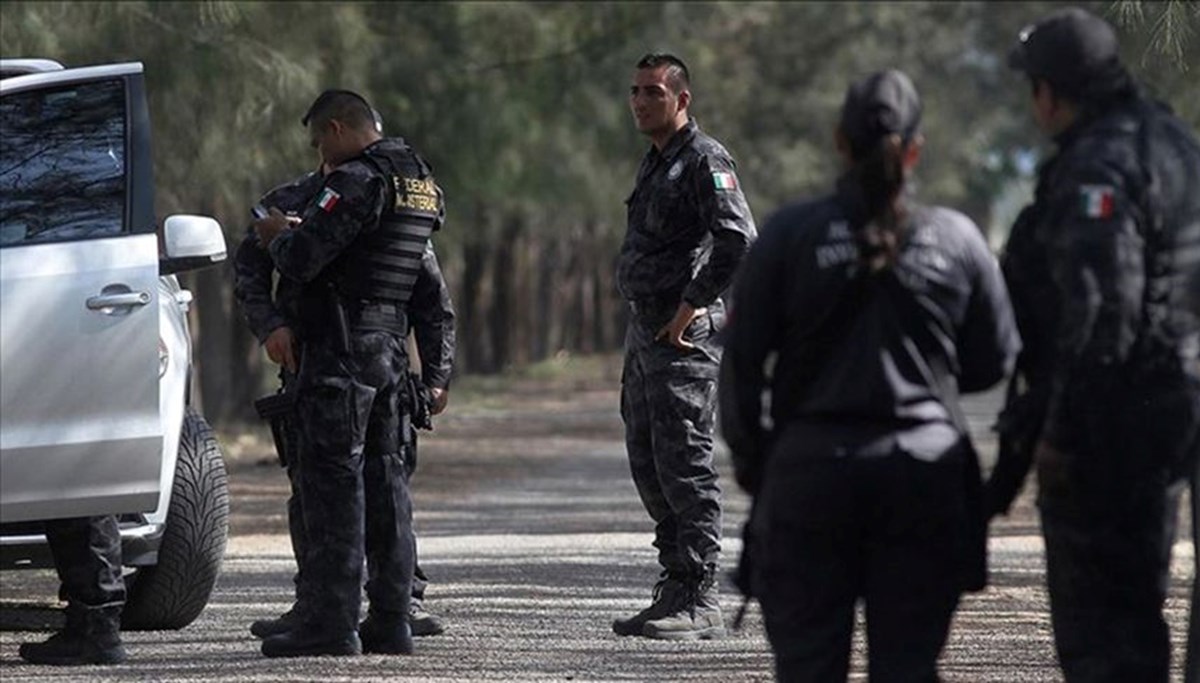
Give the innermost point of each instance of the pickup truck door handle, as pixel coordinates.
(107, 302)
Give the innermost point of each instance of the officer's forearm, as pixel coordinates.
(729, 247)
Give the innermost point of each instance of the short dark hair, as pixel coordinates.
(346, 106)
(677, 72)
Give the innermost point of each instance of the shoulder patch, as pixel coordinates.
(328, 199)
(1097, 200)
(725, 181)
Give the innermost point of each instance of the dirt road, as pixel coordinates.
(534, 539)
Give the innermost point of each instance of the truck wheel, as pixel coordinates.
(172, 593)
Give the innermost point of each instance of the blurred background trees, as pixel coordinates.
(521, 108)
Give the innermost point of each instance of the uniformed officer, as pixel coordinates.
(877, 312)
(271, 318)
(689, 226)
(358, 250)
(87, 557)
(1101, 288)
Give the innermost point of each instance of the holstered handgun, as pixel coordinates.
(277, 410)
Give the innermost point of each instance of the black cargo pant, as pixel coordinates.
(1109, 513)
(352, 481)
(295, 507)
(87, 557)
(668, 398)
(889, 530)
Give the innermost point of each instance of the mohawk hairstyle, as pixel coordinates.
(677, 72)
(344, 105)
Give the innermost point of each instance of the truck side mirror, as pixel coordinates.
(191, 242)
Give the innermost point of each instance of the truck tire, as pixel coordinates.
(172, 593)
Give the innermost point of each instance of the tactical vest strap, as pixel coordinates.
(383, 264)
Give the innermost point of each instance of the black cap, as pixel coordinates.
(1071, 48)
(879, 105)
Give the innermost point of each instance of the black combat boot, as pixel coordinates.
(697, 615)
(386, 635)
(265, 628)
(306, 640)
(667, 593)
(91, 636)
(423, 623)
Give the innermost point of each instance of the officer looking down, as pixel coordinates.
(272, 319)
(357, 249)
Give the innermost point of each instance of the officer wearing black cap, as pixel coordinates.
(877, 311)
(1100, 266)
(357, 250)
(270, 312)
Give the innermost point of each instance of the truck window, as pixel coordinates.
(62, 163)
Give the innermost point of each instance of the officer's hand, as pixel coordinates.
(673, 331)
(1051, 466)
(281, 348)
(269, 228)
(440, 397)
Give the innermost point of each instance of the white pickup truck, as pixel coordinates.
(95, 355)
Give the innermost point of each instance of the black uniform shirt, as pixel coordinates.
(689, 224)
(857, 355)
(1122, 189)
(351, 203)
(253, 269)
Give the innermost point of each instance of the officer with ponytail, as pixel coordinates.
(862, 315)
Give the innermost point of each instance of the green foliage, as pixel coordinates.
(1162, 41)
(522, 109)
(521, 105)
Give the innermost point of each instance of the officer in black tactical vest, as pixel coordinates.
(358, 249)
(270, 312)
(689, 225)
(1100, 268)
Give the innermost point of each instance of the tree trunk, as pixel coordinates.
(470, 340)
(500, 318)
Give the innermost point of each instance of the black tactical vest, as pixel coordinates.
(383, 265)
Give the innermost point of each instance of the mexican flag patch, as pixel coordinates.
(1097, 200)
(724, 181)
(328, 199)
